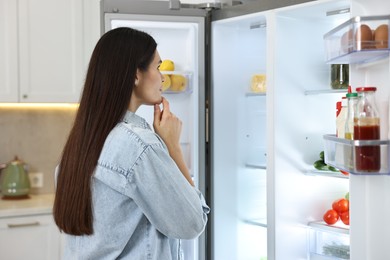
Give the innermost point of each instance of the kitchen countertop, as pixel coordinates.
(35, 205)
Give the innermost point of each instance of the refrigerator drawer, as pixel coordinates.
(359, 40)
(346, 155)
(177, 82)
(328, 242)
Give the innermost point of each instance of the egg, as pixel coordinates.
(381, 36)
(363, 37)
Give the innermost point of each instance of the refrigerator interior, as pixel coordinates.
(239, 139)
(304, 110)
(179, 42)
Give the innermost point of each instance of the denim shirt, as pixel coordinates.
(142, 204)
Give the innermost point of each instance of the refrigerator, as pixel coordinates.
(256, 110)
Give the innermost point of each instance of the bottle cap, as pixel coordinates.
(352, 94)
(364, 89)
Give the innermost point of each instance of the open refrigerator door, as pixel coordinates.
(239, 137)
(268, 199)
(180, 39)
(368, 57)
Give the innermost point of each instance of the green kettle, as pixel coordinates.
(15, 181)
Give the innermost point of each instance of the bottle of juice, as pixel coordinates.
(366, 127)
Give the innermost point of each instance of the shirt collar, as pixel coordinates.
(132, 118)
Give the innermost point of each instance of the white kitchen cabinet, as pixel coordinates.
(29, 237)
(50, 50)
(8, 51)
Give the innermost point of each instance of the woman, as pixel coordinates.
(123, 190)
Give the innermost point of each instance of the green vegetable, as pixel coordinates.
(322, 155)
(347, 196)
(333, 169)
(320, 165)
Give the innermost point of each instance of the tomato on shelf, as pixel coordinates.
(345, 217)
(341, 205)
(331, 217)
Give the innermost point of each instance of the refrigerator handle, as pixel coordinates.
(174, 4)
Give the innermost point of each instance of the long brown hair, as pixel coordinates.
(108, 86)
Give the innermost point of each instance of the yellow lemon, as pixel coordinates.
(258, 83)
(178, 82)
(167, 65)
(166, 83)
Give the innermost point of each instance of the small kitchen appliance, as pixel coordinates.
(15, 183)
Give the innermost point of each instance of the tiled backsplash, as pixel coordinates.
(37, 136)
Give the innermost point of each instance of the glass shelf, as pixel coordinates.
(253, 166)
(325, 91)
(256, 222)
(341, 153)
(339, 227)
(314, 172)
(360, 57)
(253, 94)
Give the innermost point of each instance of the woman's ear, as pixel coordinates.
(138, 75)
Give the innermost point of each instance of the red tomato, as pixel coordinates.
(331, 217)
(345, 217)
(341, 205)
(344, 172)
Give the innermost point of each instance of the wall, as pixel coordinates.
(36, 135)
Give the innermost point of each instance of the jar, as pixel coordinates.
(366, 127)
(339, 76)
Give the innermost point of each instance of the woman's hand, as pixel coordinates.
(167, 125)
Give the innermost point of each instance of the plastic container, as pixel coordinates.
(176, 82)
(358, 40)
(328, 241)
(336, 148)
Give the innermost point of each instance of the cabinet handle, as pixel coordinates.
(36, 223)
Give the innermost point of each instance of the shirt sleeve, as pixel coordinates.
(172, 205)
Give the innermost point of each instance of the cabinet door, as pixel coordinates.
(51, 50)
(8, 51)
(32, 237)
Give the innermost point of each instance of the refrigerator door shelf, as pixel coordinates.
(358, 40)
(179, 82)
(341, 153)
(315, 172)
(328, 242)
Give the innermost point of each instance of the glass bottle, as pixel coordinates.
(352, 102)
(366, 127)
(348, 152)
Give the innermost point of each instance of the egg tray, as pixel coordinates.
(358, 40)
